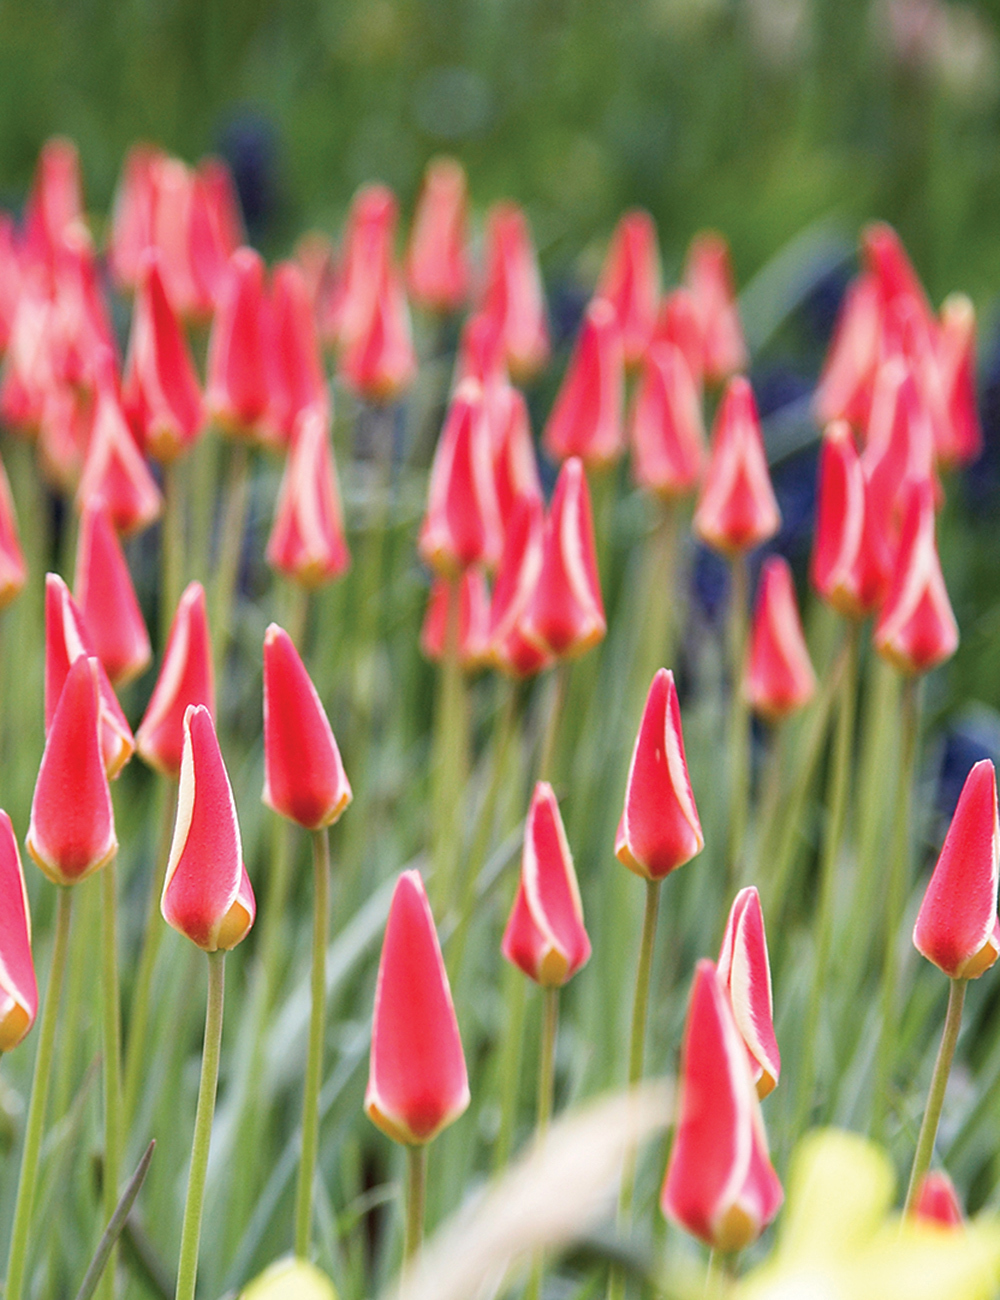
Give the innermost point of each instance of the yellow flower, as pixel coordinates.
(290, 1279)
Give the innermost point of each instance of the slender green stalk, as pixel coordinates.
(82, 946)
(935, 1097)
(205, 462)
(837, 801)
(450, 759)
(416, 1196)
(660, 594)
(230, 545)
(18, 1258)
(112, 1037)
(770, 804)
(317, 1026)
(547, 753)
(172, 545)
(515, 1000)
(739, 717)
(115, 1226)
(546, 1088)
(896, 901)
(187, 1267)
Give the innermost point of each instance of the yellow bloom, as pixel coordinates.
(290, 1279)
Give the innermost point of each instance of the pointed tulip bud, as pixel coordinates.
(779, 674)
(462, 524)
(66, 640)
(659, 828)
(369, 236)
(900, 445)
(236, 393)
(417, 1080)
(850, 561)
(565, 617)
(680, 324)
(720, 1184)
(437, 264)
(473, 620)
(737, 510)
(28, 377)
(215, 231)
(304, 779)
(161, 396)
(844, 391)
(957, 927)
(10, 276)
(515, 469)
(206, 893)
(55, 200)
(709, 276)
(18, 990)
(378, 361)
(745, 973)
(887, 261)
(13, 572)
(132, 215)
(937, 1201)
(186, 677)
(296, 370)
(72, 830)
(957, 348)
(513, 293)
(586, 419)
(517, 577)
(307, 542)
(115, 473)
(173, 189)
(545, 935)
(102, 587)
(630, 282)
(916, 629)
(666, 428)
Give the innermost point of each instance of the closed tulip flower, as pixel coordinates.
(678, 323)
(186, 677)
(845, 387)
(473, 620)
(378, 360)
(709, 277)
(779, 674)
(307, 542)
(236, 392)
(586, 419)
(937, 1201)
(515, 469)
(437, 263)
(114, 471)
(630, 281)
(745, 973)
(517, 576)
(18, 990)
(103, 590)
(737, 510)
(957, 359)
(666, 429)
(513, 293)
(13, 572)
(296, 378)
(900, 448)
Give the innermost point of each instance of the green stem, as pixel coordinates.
(935, 1098)
(547, 753)
(18, 1257)
(416, 1195)
(837, 802)
(230, 546)
(546, 1082)
(112, 1059)
(896, 901)
(660, 593)
(172, 545)
(450, 761)
(739, 717)
(115, 1227)
(187, 1267)
(776, 762)
(317, 1026)
(515, 1001)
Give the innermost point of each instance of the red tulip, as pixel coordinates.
(565, 616)
(745, 974)
(515, 469)
(517, 577)
(957, 927)
(304, 779)
(378, 360)
(307, 541)
(586, 419)
(666, 428)
(10, 277)
(720, 1184)
(900, 445)
(13, 572)
(132, 214)
(296, 373)
(103, 590)
(679, 323)
(81, 323)
(845, 387)
(206, 893)
(709, 276)
(114, 472)
(417, 1080)
(513, 293)
(236, 391)
(18, 990)
(886, 260)
(630, 282)
(72, 830)
(937, 1201)
(437, 265)
(545, 935)
(957, 347)
(186, 677)
(737, 510)
(368, 240)
(28, 376)
(215, 230)
(779, 674)
(481, 356)
(66, 640)
(55, 200)
(916, 628)
(170, 235)
(473, 619)
(64, 430)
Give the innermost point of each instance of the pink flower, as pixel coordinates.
(844, 391)
(745, 973)
(236, 390)
(13, 572)
(473, 619)
(513, 294)
(186, 677)
(515, 469)
(437, 265)
(630, 281)
(737, 510)
(104, 592)
(586, 419)
(296, 378)
(18, 990)
(114, 472)
(779, 674)
(709, 276)
(307, 542)
(666, 428)
(937, 1201)
(517, 577)
(957, 359)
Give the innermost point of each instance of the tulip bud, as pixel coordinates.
(515, 469)
(659, 828)
(103, 590)
(64, 435)
(437, 266)
(10, 277)
(13, 572)
(916, 628)
(81, 324)
(114, 472)
(937, 1201)
(720, 1184)
(72, 830)
(737, 510)
(565, 616)
(586, 419)
(513, 293)
(462, 524)
(132, 215)
(679, 324)
(296, 369)
(66, 640)
(545, 935)
(307, 541)
(304, 779)
(186, 677)
(18, 990)
(779, 674)
(368, 240)
(417, 1080)
(630, 281)
(709, 276)
(236, 392)
(173, 187)
(206, 892)
(215, 231)
(378, 360)
(517, 577)
(886, 260)
(900, 445)
(27, 371)
(957, 348)
(667, 432)
(473, 619)
(55, 200)
(745, 973)
(161, 397)
(957, 927)
(844, 391)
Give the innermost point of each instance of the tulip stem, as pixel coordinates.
(739, 717)
(547, 753)
(187, 1267)
(935, 1097)
(18, 1257)
(230, 545)
(416, 1195)
(896, 901)
(172, 546)
(317, 1027)
(112, 1059)
(515, 1001)
(450, 754)
(546, 1088)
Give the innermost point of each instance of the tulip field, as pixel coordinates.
(470, 816)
